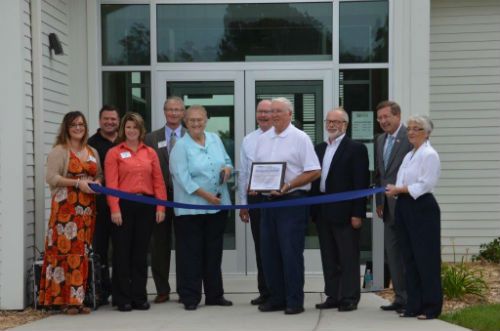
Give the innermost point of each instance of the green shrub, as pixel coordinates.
(489, 252)
(458, 280)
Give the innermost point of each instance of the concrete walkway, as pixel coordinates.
(243, 316)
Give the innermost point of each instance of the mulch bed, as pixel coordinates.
(491, 274)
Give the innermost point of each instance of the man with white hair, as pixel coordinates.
(344, 165)
(283, 230)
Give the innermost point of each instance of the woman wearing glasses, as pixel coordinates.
(418, 222)
(200, 168)
(71, 166)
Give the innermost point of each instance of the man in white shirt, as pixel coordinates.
(247, 156)
(390, 148)
(283, 229)
(344, 164)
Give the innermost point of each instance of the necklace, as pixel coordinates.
(78, 153)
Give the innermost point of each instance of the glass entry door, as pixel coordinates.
(221, 93)
(310, 91)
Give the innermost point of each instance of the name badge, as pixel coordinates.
(162, 144)
(92, 159)
(125, 155)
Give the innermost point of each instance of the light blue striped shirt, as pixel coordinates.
(193, 166)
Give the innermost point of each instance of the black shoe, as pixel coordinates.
(259, 300)
(408, 314)
(400, 310)
(328, 304)
(393, 306)
(190, 306)
(348, 307)
(125, 307)
(293, 311)
(141, 306)
(219, 302)
(267, 307)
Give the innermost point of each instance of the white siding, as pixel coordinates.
(465, 107)
(29, 178)
(55, 72)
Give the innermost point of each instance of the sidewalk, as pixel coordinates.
(243, 316)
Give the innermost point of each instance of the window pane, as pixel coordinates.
(129, 91)
(125, 34)
(364, 31)
(244, 32)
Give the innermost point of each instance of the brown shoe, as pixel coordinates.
(84, 310)
(161, 298)
(71, 311)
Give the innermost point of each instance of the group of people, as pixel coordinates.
(185, 163)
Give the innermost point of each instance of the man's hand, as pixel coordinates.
(244, 215)
(380, 211)
(356, 222)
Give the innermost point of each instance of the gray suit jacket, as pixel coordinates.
(152, 139)
(385, 176)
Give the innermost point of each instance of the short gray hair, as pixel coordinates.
(287, 102)
(193, 108)
(423, 121)
(341, 110)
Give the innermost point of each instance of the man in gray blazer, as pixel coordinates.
(391, 147)
(163, 140)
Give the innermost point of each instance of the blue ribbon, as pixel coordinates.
(315, 200)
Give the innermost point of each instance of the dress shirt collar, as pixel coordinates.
(168, 131)
(395, 134)
(335, 141)
(123, 145)
(283, 133)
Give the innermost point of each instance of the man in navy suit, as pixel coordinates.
(344, 168)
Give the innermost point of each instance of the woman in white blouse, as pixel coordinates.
(418, 222)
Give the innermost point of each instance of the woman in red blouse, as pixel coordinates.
(133, 167)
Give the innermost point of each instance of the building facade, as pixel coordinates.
(435, 57)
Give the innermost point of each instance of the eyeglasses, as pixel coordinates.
(383, 118)
(77, 125)
(264, 112)
(174, 110)
(328, 122)
(196, 120)
(414, 129)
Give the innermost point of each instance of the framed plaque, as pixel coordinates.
(267, 176)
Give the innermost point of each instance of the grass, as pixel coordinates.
(477, 318)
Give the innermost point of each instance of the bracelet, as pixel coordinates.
(77, 183)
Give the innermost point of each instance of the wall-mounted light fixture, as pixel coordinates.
(55, 44)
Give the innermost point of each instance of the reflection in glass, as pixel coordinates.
(244, 32)
(125, 34)
(129, 91)
(364, 31)
(362, 90)
(218, 100)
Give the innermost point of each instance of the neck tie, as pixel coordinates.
(172, 141)
(388, 150)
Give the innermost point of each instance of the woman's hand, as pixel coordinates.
(83, 185)
(213, 199)
(227, 173)
(392, 190)
(160, 217)
(116, 218)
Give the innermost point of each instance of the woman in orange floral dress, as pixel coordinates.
(71, 166)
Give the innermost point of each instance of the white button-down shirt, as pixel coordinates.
(247, 157)
(331, 148)
(292, 146)
(420, 170)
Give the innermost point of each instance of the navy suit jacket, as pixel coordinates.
(349, 170)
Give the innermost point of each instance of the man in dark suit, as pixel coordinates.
(390, 148)
(163, 140)
(344, 167)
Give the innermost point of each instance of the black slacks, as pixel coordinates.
(339, 246)
(255, 227)
(102, 241)
(161, 246)
(130, 249)
(418, 224)
(199, 245)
